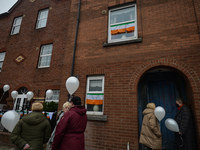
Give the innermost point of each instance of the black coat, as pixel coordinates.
(185, 122)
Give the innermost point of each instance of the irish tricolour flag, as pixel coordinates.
(95, 99)
(122, 28)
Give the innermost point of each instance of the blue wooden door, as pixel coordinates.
(163, 93)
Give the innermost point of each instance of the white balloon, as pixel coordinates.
(96, 108)
(10, 119)
(29, 95)
(14, 94)
(172, 125)
(159, 112)
(72, 84)
(49, 93)
(6, 87)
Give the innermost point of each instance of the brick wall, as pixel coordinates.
(170, 39)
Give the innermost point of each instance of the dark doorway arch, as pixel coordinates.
(161, 86)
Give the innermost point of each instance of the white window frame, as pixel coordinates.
(20, 102)
(44, 55)
(53, 96)
(16, 25)
(126, 38)
(89, 78)
(40, 19)
(2, 58)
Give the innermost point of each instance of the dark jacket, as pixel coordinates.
(70, 130)
(33, 129)
(150, 132)
(186, 127)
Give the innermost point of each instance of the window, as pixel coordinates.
(16, 25)
(45, 56)
(42, 18)
(95, 95)
(21, 102)
(2, 56)
(122, 24)
(54, 97)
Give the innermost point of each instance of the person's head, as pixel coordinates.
(37, 107)
(151, 105)
(66, 106)
(179, 102)
(76, 101)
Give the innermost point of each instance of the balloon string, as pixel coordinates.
(181, 141)
(2, 96)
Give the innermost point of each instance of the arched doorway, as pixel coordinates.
(161, 86)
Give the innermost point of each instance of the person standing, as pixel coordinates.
(185, 138)
(70, 130)
(32, 131)
(66, 108)
(150, 135)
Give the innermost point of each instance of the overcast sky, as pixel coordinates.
(5, 5)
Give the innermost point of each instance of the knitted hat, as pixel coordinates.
(37, 107)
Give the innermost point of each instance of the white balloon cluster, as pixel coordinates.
(171, 124)
(11, 117)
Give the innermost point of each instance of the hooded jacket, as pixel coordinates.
(150, 132)
(70, 130)
(33, 129)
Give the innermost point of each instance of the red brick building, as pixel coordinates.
(125, 54)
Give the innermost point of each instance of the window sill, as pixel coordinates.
(97, 118)
(122, 42)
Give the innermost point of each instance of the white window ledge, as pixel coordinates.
(122, 42)
(97, 118)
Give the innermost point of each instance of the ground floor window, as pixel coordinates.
(95, 95)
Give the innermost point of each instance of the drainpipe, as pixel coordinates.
(78, 19)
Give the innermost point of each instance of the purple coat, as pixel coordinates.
(70, 130)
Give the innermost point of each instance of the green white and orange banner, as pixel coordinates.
(95, 99)
(122, 28)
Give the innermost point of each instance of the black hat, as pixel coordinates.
(76, 100)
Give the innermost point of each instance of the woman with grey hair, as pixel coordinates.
(150, 135)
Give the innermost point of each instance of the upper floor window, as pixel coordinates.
(16, 25)
(122, 24)
(95, 95)
(45, 56)
(2, 57)
(42, 18)
(54, 97)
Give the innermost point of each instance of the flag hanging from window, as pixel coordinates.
(95, 99)
(122, 28)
